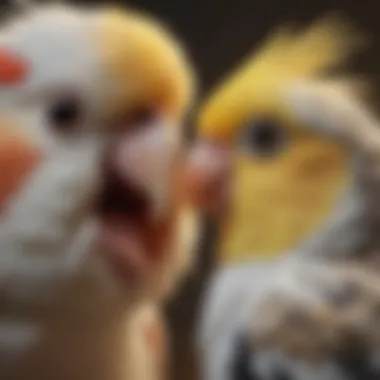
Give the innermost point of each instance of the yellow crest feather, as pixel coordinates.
(287, 56)
(145, 54)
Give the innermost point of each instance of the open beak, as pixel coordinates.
(135, 206)
(207, 178)
(147, 158)
(18, 159)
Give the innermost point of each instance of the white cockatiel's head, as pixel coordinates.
(91, 108)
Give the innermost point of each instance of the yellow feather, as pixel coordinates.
(278, 202)
(255, 87)
(157, 73)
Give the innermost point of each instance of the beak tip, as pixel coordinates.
(206, 180)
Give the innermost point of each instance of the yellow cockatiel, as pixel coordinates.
(287, 177)
(92, 103)
(301, 154)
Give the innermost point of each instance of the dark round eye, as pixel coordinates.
(65, 114)
(263, 138)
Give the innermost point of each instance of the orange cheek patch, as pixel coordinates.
(13, 69)
(18, 158)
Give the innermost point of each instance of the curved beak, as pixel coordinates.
(147, 152)
(146, 157)
(207, 178)
(136, 206)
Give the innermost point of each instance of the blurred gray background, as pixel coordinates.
(217, 34)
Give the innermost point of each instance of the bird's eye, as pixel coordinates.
(263, 138)
(65, 114)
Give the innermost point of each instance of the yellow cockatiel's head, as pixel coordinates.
(287, 175)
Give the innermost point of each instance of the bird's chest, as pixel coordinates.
(67, 352)
(76, 338)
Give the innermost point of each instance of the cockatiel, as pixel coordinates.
(91, 103)
(301, 154)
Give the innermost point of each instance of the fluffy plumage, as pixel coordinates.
(313, 198)
(101, 101)
(303, 179)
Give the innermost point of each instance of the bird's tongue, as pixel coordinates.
(124, 215)
(135, 216)
(125, 249)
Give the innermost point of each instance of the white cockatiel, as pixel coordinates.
(91, 108)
